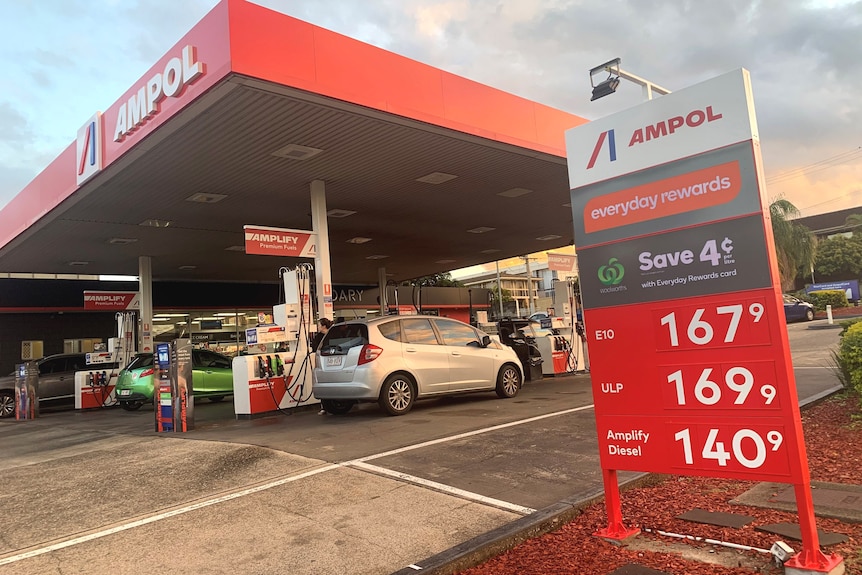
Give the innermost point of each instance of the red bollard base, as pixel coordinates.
(821, 564)
(616, 534)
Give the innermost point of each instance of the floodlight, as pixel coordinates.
(605, 88)
(610, 84)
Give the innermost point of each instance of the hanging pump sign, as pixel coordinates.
(265, 241)
(561, 262)
(111, 300)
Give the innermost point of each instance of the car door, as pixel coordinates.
(424, 356)
(471, 366)
(214, 372)
(55, 382)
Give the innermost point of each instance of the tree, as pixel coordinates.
(437, 280)
(795, 245)
(495, 295)
(840, 258)
(854, 222)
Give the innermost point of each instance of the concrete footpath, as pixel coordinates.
(100, 492)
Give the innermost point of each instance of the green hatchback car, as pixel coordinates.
(212, 377)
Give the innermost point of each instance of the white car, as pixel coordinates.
(395, 360)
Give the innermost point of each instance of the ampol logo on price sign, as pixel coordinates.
(689, 354)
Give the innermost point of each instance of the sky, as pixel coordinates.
(62, 60)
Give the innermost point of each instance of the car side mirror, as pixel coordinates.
(486, 340)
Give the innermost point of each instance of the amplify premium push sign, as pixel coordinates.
(265, 241)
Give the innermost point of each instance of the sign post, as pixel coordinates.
(690, 360)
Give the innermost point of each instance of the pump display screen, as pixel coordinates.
(164, 354)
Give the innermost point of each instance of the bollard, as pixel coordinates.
(829, 315)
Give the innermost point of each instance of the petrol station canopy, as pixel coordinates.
(233, 124)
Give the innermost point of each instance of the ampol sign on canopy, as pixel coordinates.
(689, 354)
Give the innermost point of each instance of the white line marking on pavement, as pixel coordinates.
(415, 567)
(251, 490)
(471, 433)
(167, 514)
(448, 489)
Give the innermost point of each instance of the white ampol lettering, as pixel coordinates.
(144, 104)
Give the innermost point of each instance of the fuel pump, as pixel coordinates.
(276, 381)
(172, 386)
(94, 387)
(27, 391)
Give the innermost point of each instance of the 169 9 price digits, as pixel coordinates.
(740, 385)
(731, 325)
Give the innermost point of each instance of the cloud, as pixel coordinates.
(804, 56)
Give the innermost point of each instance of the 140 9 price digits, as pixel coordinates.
(748, 447)
(714, 326)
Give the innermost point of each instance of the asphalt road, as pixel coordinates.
(99, 492)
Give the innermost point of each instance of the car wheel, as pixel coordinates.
(508, 381)
(7, 404)
(337, 406)
(397, 394)
(216, 398)
(131, 405)
(809, 314)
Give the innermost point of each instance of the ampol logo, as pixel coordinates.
(612, 274)
(89, 149)
(612, 148)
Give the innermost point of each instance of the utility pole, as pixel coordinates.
(529, 284)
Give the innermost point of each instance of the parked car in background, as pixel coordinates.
(795, 309)
(56, 382)
(396, 360)
(212, 377)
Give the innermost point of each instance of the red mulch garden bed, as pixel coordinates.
(834, 445)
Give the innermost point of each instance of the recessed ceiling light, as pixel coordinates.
(235, 249)
(445, 261)
(122, 241)
(515, 192)
(548, 237)
(79, 263)
(296, 152)
(339, 213)
(203, 198)
(436, 178)
(376, 257)
(156, 223)
(481, 230)
(358, 240)
(187, 268)
(491, 251)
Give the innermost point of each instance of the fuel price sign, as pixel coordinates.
(683, 314)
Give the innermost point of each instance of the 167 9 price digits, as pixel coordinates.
(714, 326)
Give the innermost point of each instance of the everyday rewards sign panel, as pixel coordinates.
(712, 186)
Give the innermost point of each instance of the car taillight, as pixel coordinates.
(147, 372)
(369, 353)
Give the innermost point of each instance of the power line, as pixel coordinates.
(826, 163)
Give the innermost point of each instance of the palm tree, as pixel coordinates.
(795, 245)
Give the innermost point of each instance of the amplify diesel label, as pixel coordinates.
(715, 258)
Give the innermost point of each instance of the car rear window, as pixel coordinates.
(343, 336)
(391, 330)
(139, 361)
(419, 331)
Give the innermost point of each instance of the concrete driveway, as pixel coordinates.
(100, 492)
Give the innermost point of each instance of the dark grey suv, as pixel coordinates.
(56, 382)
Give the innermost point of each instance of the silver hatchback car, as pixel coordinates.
(396, 360)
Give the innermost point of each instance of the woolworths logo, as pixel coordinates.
(612, 274)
